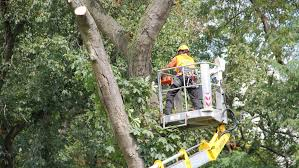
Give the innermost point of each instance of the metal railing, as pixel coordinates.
(201, 71)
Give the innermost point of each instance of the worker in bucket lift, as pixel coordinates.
(183, 58)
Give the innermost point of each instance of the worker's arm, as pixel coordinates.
(172, 63)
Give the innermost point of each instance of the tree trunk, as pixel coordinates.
(139, 55)
(7, 147)
(9, 36)
(9, 42)
(7, 46)
(107, 86)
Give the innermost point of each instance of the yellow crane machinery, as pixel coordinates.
(207, 151)
(208, 79)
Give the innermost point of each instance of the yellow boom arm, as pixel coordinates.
(208, 151)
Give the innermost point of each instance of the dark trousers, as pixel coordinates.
(194, 94)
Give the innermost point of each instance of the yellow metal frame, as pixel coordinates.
(159, 163)
(216, 144)
(186, 158)
(209, 150)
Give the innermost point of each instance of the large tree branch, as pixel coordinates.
(7, 147)
(109, 26)
(3, 6)
(278, 153)
(6, 59)
(287, 133)
(153, 19)
(107, 86)
(9, 42)
(150, 25)
(9, 38)
(267, 29)
(139, 57)
(12, 134)
(263, 18)
(273, 151)
(7, 45)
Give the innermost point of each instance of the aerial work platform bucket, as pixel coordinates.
(208, 81)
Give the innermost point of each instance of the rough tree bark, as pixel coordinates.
(9, 36)
(107, 86)
(8, 44)
(7, 147)
(139, 55)
(109, 26)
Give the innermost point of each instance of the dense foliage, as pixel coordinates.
(48, 95)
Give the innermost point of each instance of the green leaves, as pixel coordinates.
(238, 159)
(110, 149)
(50, 85)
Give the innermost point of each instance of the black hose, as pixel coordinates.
(235, 121)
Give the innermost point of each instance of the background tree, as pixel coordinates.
(39, 92)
